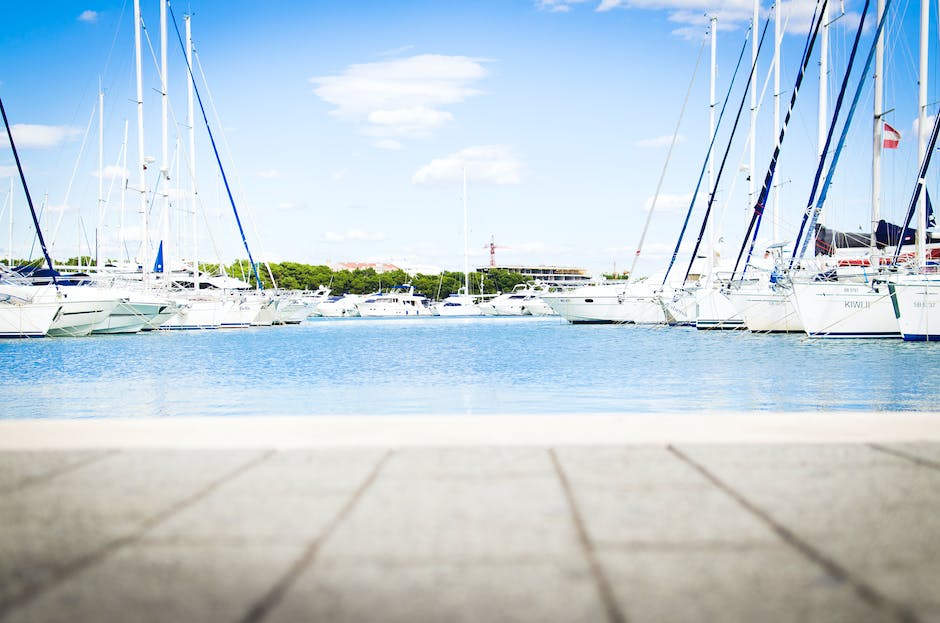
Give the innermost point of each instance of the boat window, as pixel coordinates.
(588, 300)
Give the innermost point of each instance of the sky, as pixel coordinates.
(345, 128)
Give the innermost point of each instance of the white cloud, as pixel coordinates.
(669, 203)
(492, 164)
(88, 16)
(659, 141)
(557, 6)
(8, 171)
(402, 97)
(352, 234)
(31, 136)
(693, 16)
(388, 144)
(111, 172)
(269, 174)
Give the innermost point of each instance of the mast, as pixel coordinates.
(10, 248)
(141, 162)
(823, 84)
(752, 178)
(29, 197)
(921, 126)
(192, 151)
(122, 236)
(165, 145)
(877, 132)
(776, 198)
(711, 131)
(466, 265)
(100, 163)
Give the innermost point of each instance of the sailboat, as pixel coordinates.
(461, 303)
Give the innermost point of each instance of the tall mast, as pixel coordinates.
(877, 131)
(165, 155)
(821, 128)
(466, 265)
(713, 26)
(122, 236)
(776, 198)
(100, 163)
(922, 127)
(141, 162)
(752, 174)
(192, 151)
(10, 248)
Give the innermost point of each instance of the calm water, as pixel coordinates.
(457, 366)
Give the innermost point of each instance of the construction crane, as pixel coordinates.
(492, 246)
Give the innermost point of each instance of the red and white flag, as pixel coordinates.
(891, 137)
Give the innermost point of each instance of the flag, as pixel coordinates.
(891, 137)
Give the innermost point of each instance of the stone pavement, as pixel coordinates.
(606, 532)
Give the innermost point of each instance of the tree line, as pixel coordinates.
(296, 276)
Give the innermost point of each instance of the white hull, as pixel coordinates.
(290, 311)
(538, 307)
(22, 319)
(592, 305)
(458, 305)
(916, 304)
(131, 316)
(679, 307)
(714, 310)
(768, 311)
(849, 310)
(195, 314)
(241, 313)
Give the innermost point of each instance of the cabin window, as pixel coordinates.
(588, 300)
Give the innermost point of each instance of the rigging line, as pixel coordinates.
(760, 104)
(672, 144)
(918, 186)
(825, 151)
(29, 199)
(724, 159)
(256, 232)
(228, 189)
(711, 146)
(68, 190)
(821, 200)
(768, 179)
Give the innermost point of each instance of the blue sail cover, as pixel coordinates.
(158, 264)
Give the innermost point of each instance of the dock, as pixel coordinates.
(633, 517)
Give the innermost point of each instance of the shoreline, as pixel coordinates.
(363, 431)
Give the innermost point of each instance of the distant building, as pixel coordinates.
(553, 274)
(377, 267)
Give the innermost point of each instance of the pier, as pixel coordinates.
(670, 517)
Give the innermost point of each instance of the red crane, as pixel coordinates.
(492, 246)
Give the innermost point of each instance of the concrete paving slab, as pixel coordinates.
(457, 519)
(20, 469)
(52, 526)
(729, 586)
(165, 583)
(442, 590)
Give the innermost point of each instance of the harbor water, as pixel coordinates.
(442, 366)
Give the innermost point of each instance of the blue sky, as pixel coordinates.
(348, 125)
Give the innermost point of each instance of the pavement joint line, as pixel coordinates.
(604, 589)
(30, 481)
(260, 610)
(919, 460)
(57, 576)
(864, 590)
